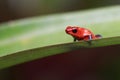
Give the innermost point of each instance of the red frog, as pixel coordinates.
(80, 33)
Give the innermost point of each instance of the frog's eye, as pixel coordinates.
(74, 30)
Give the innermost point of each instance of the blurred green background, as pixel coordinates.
(60, 67)
(17, 9)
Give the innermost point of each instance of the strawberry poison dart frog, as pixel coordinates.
(80, 33)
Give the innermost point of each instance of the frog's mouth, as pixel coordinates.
(68, 30)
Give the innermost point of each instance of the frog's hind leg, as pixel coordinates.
(98, 36)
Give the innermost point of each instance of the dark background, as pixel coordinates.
(17, 9)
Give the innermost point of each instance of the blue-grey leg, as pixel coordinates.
(74, 39)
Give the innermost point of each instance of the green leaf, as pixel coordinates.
(29, 39)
